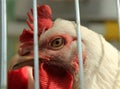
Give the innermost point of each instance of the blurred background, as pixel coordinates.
(98, 15)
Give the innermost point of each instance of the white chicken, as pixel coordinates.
(58, 56)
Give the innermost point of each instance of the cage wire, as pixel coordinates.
(36, 61)
(118, 13)
(3, 39)
(3, 72)
(0, 41)
(79, 44)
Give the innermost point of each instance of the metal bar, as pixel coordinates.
(36, 61)
(0, 39)
(79, 44)
(4, 46)
(118, 12)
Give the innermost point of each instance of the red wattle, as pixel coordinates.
(18, 79)
(52, 77)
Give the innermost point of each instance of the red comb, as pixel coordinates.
(44, 23)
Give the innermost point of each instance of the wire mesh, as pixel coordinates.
(3, 66)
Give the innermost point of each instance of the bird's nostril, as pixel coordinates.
(23, 52)
(26, 53)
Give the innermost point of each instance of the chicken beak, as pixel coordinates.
(28, 60)
(23, 61)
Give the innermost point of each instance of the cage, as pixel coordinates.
(82, 11)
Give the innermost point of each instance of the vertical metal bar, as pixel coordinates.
(36, 61)
(0, 39)
(4, 46)
(118, 12)
(79, 44)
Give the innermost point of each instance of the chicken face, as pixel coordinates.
(58, 56)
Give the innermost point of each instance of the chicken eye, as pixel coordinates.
(57, 43)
